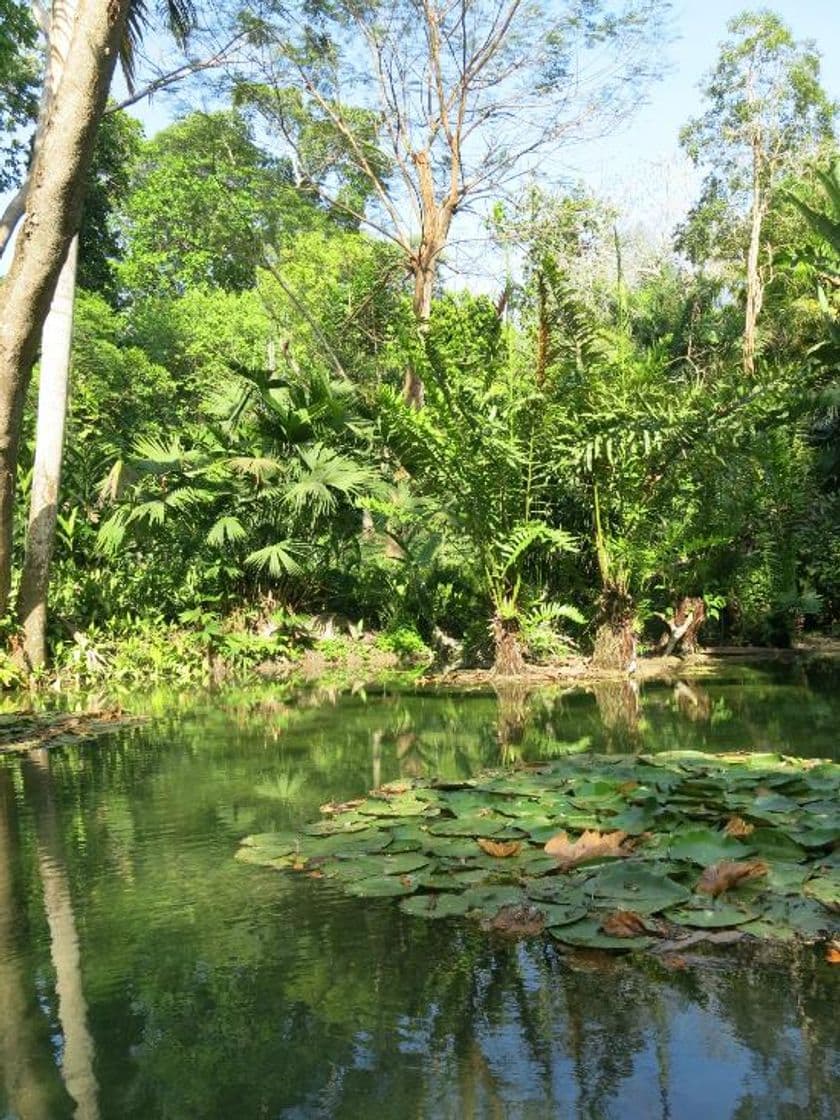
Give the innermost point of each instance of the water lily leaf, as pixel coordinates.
(723, 876)
(278, 843)
(774, 803)
(705, 846)
(634, 820)
(771, 843)
(405, 805)
(490, 899)
(711, 917)
(787, 878)
(805, 917)
(353, 843)
(637, 888)
(370, 867)
(540, 831)
(451, 880)
(435, 906)
(467, 826)
(825, 889)
(588, 934)
(384, 886)
(500, 849)
(555, 890)
(815, 837)
(589, 846)
(535, 863)
(333, 826)
(560, 914)
(450, 847)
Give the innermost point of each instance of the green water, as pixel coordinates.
(144, 973)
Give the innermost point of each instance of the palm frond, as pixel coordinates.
(277, 559)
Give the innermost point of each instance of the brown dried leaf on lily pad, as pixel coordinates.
(500, 849)
(625, 923)
(723, 876)
(737, 826)
(334, 807)
(589, 845)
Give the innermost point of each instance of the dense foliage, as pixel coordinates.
(593, 464)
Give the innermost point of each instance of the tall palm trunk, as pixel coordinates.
(53, 214)
(56, 342)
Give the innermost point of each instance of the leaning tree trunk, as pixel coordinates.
(53, 214)
(615, 639)
(509, 660)
(53, 387)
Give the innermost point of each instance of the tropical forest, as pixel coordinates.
(419, 559)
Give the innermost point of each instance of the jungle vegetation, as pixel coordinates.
(280, 402)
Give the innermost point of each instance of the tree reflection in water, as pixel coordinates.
(207, 989)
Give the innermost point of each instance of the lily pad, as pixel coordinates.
(636, 888)
(435, 906)
(825, 889)
(705, 846)
(383, 886)
(588, 934)
(475, 848)
(711, 917)
(373, 867)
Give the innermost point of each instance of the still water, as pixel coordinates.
(146, 974)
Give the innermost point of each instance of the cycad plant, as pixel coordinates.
(484, 448)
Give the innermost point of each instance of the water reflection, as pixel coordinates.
(144, 973)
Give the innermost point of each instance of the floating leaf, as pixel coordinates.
(502, 849)
(738, 827)
(588, 934)
(624, 923)
(825, 889)
(384, 886)
(727, 874)
(637, 888)
(705, 846)
(468, 826)
(435, 906)
(476, 848)
(709, 917)
(590, 845)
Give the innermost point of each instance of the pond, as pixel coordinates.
(145, 973)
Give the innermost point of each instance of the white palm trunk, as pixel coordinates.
(53, 390)
(56, 344)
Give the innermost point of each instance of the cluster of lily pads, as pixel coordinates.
(617, 852)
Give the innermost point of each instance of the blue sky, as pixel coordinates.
(641, 166)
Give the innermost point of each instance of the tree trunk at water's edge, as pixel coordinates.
(509, 660)
(46, 472)
(53, 213)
